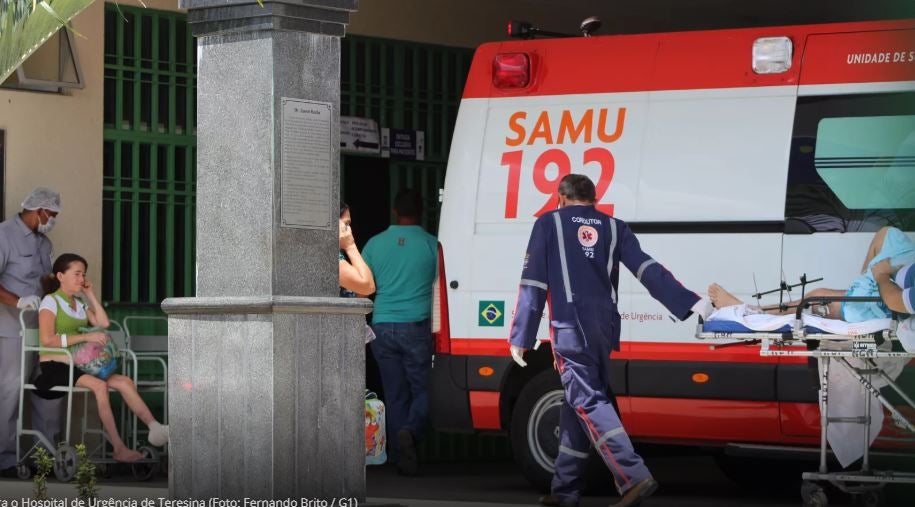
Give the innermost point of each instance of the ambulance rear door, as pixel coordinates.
(851, 172)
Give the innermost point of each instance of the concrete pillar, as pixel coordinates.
(266, 371)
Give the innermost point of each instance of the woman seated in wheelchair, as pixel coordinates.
(67, 312)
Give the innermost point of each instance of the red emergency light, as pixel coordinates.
(511, 70)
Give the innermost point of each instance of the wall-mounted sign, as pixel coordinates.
(359, 135)
(403, 144)
(306, 164)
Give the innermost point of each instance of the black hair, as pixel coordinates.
(50, 283)
(577, 187)
(343, 208)
(408, 203)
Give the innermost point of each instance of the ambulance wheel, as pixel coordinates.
(145, 471)
(23, 472)
(535, 428)
(813, 495)
(65, 463)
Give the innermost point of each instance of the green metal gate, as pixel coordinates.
(149, 157)
(408, 86)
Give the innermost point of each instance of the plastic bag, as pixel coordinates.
(375, 440)
(94, 358)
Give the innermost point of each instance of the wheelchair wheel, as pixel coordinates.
(145, 471)
(23, 472)
(105, 470)
(65, 463)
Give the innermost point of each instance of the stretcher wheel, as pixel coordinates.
(813, 495)
(872, 498)
(23, 472)
(65, 463)
(145, 471)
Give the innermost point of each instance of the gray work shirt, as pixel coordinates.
(25, 256)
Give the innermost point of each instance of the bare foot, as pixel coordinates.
(126, 455)
(720, 297)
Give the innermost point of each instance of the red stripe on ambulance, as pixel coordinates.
(700, 60)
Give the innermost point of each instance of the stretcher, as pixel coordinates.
(861, 351)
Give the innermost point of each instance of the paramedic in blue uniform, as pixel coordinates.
(25, 257)
(573, 260)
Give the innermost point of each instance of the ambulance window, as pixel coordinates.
(852, 164)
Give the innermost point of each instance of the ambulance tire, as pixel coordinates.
(535, 419)
(535, 435)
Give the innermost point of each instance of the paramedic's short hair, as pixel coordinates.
(408, 203)
(577, 187)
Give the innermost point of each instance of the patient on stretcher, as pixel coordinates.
(888, 259)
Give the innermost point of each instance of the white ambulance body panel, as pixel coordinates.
(671, 162)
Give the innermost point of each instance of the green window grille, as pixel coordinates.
(149, 156)
(409, 86)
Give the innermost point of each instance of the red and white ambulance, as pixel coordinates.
(744, 157)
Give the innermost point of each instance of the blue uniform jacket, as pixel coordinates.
(573, 259)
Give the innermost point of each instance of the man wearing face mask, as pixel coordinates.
(573, 260)
(25, 257)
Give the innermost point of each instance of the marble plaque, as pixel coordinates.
(307, 150)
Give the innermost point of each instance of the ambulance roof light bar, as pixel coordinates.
(525, 30)
(772, 55)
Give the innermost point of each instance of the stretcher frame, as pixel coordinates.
(866, 347)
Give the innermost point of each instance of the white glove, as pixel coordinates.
(28, 303)
(703, 308)
(518, 355)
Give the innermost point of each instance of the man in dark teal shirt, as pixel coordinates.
(403, 260)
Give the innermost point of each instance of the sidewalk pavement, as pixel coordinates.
(17, 490)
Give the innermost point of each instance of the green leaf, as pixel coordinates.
(24, 27)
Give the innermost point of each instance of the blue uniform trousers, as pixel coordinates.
(587, 418)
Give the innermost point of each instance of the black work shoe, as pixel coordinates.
(408, 464)
(555, 501)
(637, 493)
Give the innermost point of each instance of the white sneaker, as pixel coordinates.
(158, 434)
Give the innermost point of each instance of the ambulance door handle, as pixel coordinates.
(453, 284)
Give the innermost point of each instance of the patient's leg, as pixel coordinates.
(832, 310)
(874, 248)
(722, 298)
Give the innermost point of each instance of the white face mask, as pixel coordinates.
(47, 226)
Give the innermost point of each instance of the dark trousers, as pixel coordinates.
(404, 354)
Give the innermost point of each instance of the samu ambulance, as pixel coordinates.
(744, 157)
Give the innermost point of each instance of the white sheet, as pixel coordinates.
(847, 399)
(752, 318)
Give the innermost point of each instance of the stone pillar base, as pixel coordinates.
(266, 397)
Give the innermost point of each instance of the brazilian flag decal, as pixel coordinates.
(492, 313)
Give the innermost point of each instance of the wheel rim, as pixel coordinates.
(543, 429)
(65, 464)
(144, 471)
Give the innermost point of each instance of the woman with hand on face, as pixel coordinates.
(69, 307)
(355, 275)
